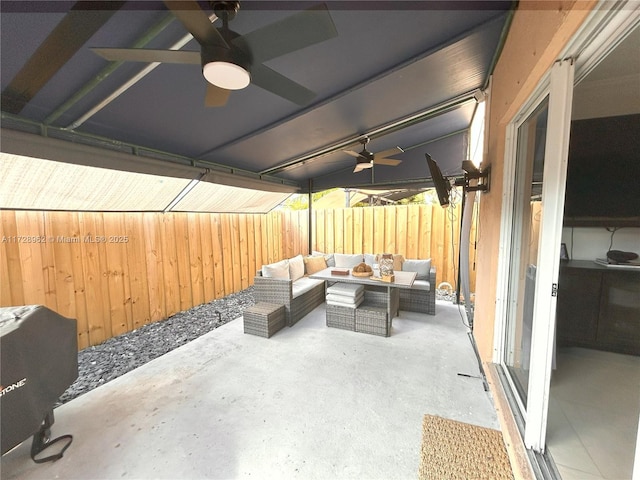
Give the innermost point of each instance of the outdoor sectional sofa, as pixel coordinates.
(287, 283)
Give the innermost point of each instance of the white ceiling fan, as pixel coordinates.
(366, 159)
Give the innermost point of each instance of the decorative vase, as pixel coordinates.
(386, 265)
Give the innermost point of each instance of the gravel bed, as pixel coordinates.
(99, 364)
(102, 363)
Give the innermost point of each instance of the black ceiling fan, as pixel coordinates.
(365, 159)
(231, 61)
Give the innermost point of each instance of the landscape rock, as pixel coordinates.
(116, 356)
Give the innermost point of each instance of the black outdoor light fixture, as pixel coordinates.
(471, 172)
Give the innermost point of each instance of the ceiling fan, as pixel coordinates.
(231, 61)
(365, 159)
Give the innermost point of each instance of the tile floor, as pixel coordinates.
(593, 414)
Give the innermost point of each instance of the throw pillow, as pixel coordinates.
(296, 267)
(398, 261)
(346, 260)
(328, 257)
(422, 267)
(276, 270)
(370, 259)
(314, 264)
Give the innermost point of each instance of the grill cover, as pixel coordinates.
(39, 355)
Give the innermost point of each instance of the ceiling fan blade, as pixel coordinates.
(216, 96)
(386, 153)
(148, 55)
(386, 161)
(282, 86)
(189, 13)
(75, 29)
(360, 167)
(293, 33)
(354, 154)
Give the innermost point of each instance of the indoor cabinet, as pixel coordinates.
(598, 307)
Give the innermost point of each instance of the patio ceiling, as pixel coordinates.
(404, 74)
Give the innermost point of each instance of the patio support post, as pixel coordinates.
(460, 248)
(310, 227)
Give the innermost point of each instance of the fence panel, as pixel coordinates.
(414, 231)
(195, 258)
(154, 262)
(115, 272)
(218, 265)
(138, 276)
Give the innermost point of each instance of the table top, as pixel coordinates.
(402, 279)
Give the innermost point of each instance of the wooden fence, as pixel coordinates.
(115, 272)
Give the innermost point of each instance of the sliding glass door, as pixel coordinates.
(526, 212)
(538, 142)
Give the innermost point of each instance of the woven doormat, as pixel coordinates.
(460, 451)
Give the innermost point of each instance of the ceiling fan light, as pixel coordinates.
(226, 75)
(363, 163)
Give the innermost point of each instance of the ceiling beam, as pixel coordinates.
(23, 137)
(149, 35)
(75, 29)
(394, 126)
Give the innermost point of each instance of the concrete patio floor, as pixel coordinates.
(311, 402)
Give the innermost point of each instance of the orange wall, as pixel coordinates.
(538, 33)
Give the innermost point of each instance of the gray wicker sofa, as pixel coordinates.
(285, 283)
(421, 297)
(299, 294)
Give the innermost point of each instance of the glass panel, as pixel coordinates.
(527, 212)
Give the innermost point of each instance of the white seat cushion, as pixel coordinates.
(346, 304)
(348, 299)
(303, 285)
(422, 285)
(341, 288)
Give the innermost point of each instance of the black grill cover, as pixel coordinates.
(39, 353)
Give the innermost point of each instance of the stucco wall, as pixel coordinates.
(538, 33)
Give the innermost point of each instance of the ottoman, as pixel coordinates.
(263, 319)
(341, 317)
(372, 319)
